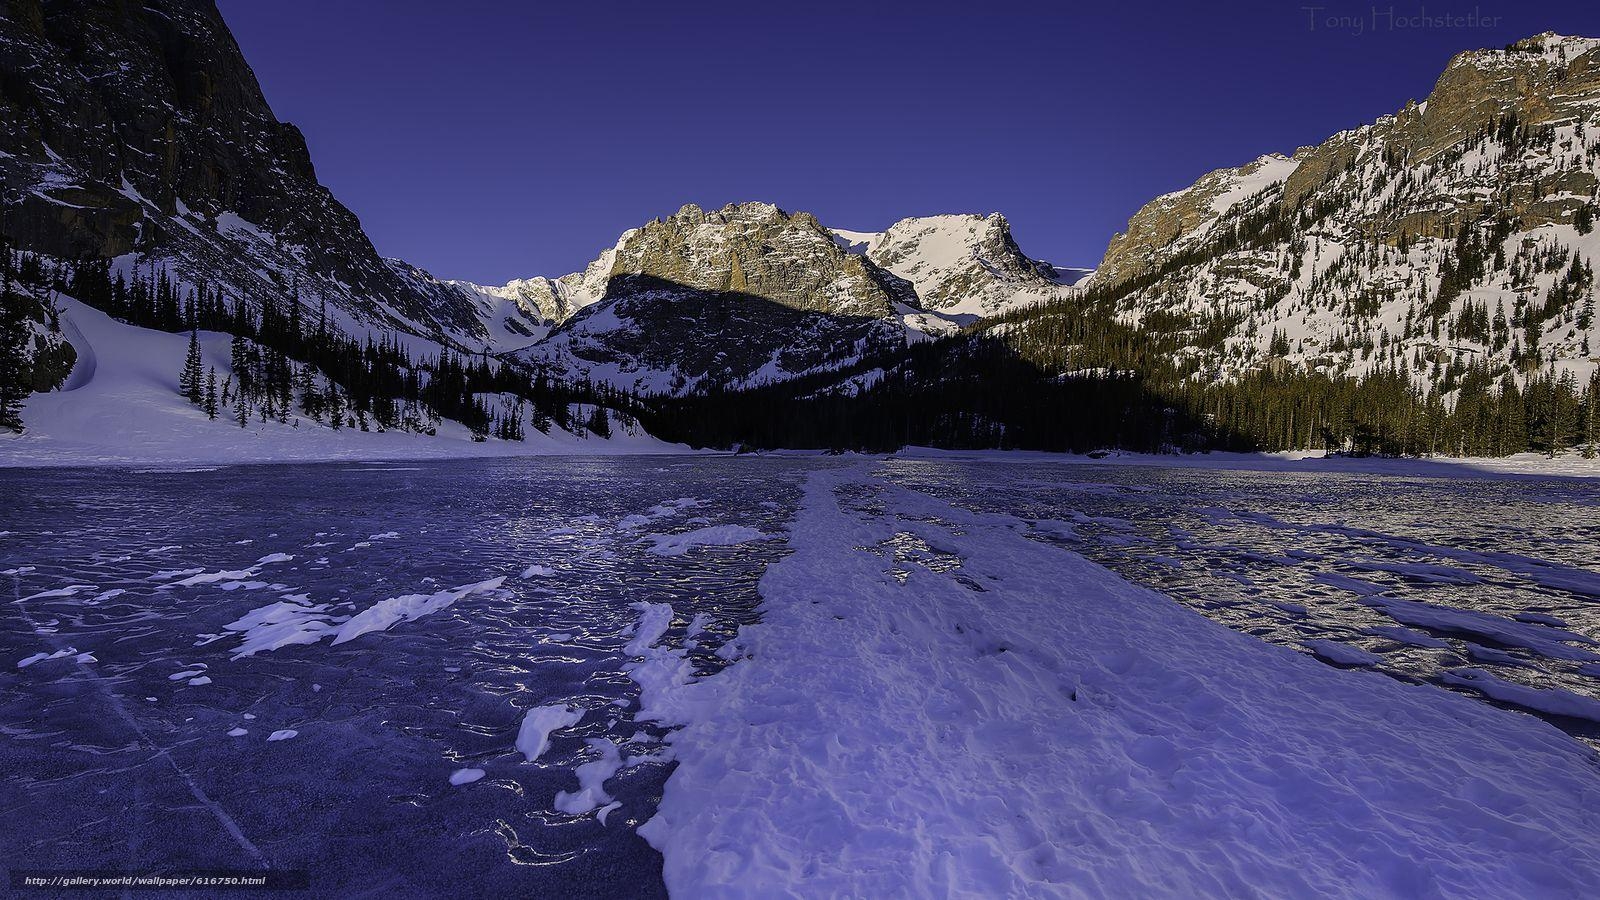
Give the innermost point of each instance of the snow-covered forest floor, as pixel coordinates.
(121, 406)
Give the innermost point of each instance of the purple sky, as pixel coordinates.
(489, 140)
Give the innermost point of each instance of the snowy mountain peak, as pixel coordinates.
(960, 264)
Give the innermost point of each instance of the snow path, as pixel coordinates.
(1039, 727)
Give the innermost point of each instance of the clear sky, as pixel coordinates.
(490, 140)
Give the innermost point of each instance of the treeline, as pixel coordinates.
(1072, 376)
(33, 354)
(962, 393)
(287, 362)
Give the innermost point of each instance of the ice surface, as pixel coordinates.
(282, 734)
(658, 512)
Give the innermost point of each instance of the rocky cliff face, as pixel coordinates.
(758, 250)
(1458, 231)
(733, 297)
(137, 131)
(750, 294)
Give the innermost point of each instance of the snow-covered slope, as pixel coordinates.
(1458, 232)
(751, 294)
(539, 303)
(120, 405)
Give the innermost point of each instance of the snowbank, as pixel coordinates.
(121, 406)
(1567, 465)
(1039, 727)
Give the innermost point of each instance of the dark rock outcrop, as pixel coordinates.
(138, 128)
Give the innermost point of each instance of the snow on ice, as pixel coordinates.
(533, 738)
(465, 776)
(710, 536)
(386, 613)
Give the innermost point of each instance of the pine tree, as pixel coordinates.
(1591, 417)
(211, 393)
(15, 370)
(191, 381)
(599, 422)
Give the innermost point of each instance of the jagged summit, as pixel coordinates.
(810, 297)
(958, 264)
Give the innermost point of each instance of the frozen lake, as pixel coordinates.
(402, 619)
(1426, 579)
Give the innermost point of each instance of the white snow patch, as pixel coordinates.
(711, 536)
(465, 776)
(384, 614)
(592, 777)
(533, 738)
(42, 657)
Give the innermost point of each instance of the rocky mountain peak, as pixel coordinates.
(755, 249)
(1536, 84)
